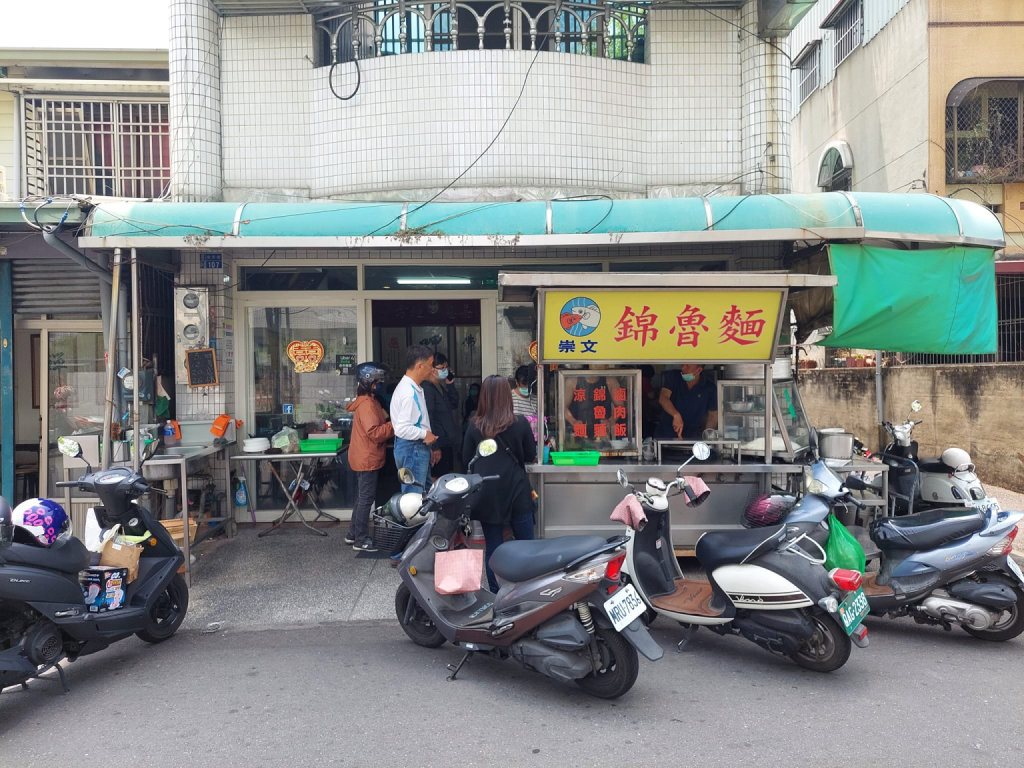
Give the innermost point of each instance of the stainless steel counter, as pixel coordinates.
(580, 500)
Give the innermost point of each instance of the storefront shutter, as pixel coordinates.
(54, 286)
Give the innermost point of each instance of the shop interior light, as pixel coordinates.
(434, 281)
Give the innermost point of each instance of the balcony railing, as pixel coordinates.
(599, 28)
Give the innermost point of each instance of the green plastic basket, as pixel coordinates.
(321, 445)
(575, 458)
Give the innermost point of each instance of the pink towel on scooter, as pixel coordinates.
(630, 512)
(696, 492)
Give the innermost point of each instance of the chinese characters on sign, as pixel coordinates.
(596, 408)
(704, 325)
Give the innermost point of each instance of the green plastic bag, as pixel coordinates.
(842, 549)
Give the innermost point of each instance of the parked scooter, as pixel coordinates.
(917, 484)
(560, 611)
(43, 613)
(762, 584)
(942, 566)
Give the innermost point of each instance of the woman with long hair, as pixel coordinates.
(507, 501)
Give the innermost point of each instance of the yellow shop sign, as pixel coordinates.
(666, 326)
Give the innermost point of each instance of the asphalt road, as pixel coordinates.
(361, 694)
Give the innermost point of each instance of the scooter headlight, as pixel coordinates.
(813, 485)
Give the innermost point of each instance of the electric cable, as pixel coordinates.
(737, 26)
(330, 79)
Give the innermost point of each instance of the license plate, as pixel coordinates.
(853, 609)
(1015, 568)
(624, 606)
(986, 504)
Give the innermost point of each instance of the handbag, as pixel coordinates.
(459, 571)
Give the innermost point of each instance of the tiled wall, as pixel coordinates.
(194, 61)
(672, 126)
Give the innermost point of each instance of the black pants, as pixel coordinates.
(446, 464)
(359, 527)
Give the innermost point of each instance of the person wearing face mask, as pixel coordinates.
(370, 432)
(524, 399)
(442, 402)
(689, 402)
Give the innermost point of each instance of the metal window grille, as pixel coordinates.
(983, 135)
(1010, 309)
(393, 27)
(809, 70)
(96, 148)
(849, 29)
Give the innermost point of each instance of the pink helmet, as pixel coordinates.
(765, 510)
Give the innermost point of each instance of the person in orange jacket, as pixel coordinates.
(371, 430)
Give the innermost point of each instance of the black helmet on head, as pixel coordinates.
(6, 524)
(368, 374)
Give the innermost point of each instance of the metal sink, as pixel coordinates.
(156, 470)
(176, 451)
(159, 471)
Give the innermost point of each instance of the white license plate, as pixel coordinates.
(986, 504)
(1015, 568)
(624, 606)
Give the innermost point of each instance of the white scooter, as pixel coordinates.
(917, 484)
(764, 584)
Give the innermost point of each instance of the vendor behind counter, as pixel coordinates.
(689, 402)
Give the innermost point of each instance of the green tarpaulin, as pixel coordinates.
(939, 300)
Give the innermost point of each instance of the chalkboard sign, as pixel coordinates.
(202, 367)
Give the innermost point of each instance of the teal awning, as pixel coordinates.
(828, 216)
(940, 300)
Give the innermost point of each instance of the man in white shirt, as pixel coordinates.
(410, 418)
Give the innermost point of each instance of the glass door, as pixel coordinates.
(75, 381)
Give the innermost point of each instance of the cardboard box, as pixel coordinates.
(103, 587)
(122, 556)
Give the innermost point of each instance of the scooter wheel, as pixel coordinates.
(168, 612)
(1009, 624)
(828, 650)
(420, 629)
(619, 666)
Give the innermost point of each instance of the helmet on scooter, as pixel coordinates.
(958, 460)
(765, 510)
(41, 521)
(404, 508)
(6, 524)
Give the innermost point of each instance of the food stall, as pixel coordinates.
(593, 337)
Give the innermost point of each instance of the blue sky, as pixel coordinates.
(79, 24)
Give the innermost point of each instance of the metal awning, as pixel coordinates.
(832, 216)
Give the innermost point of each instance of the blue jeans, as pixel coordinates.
(494, 535)
(414, 455)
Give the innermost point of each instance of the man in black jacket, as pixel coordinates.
(442, 402)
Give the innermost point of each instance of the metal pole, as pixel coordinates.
(7, 380)
(769, 408)
(108, 412)
(140, 444)
(879, 395)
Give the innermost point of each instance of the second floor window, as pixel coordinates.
(808, 66)
(108, 148)
(847, 22)
(983, 134)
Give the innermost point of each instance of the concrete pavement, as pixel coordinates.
(361, 694)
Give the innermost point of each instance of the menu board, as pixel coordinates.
(598, 411)
(201, 365)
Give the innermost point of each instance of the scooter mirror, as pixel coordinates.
(701, 451)
(916, 406)
(69, 447)
(487, 448)
(621, 477)
(406, 476)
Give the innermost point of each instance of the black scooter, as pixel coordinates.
(43, 614)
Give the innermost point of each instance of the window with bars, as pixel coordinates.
(97, 148)
(808, 69)
(984, 134)
(849, 30)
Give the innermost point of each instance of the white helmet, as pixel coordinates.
(405, 508)
(958, 460)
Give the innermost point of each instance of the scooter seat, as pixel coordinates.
(934, 467)
(727, 547)
(930, 529)
(69, 556)
(524, 560)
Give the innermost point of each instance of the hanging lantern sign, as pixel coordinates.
(306, 355)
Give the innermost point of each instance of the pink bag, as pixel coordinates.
(458, 572)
